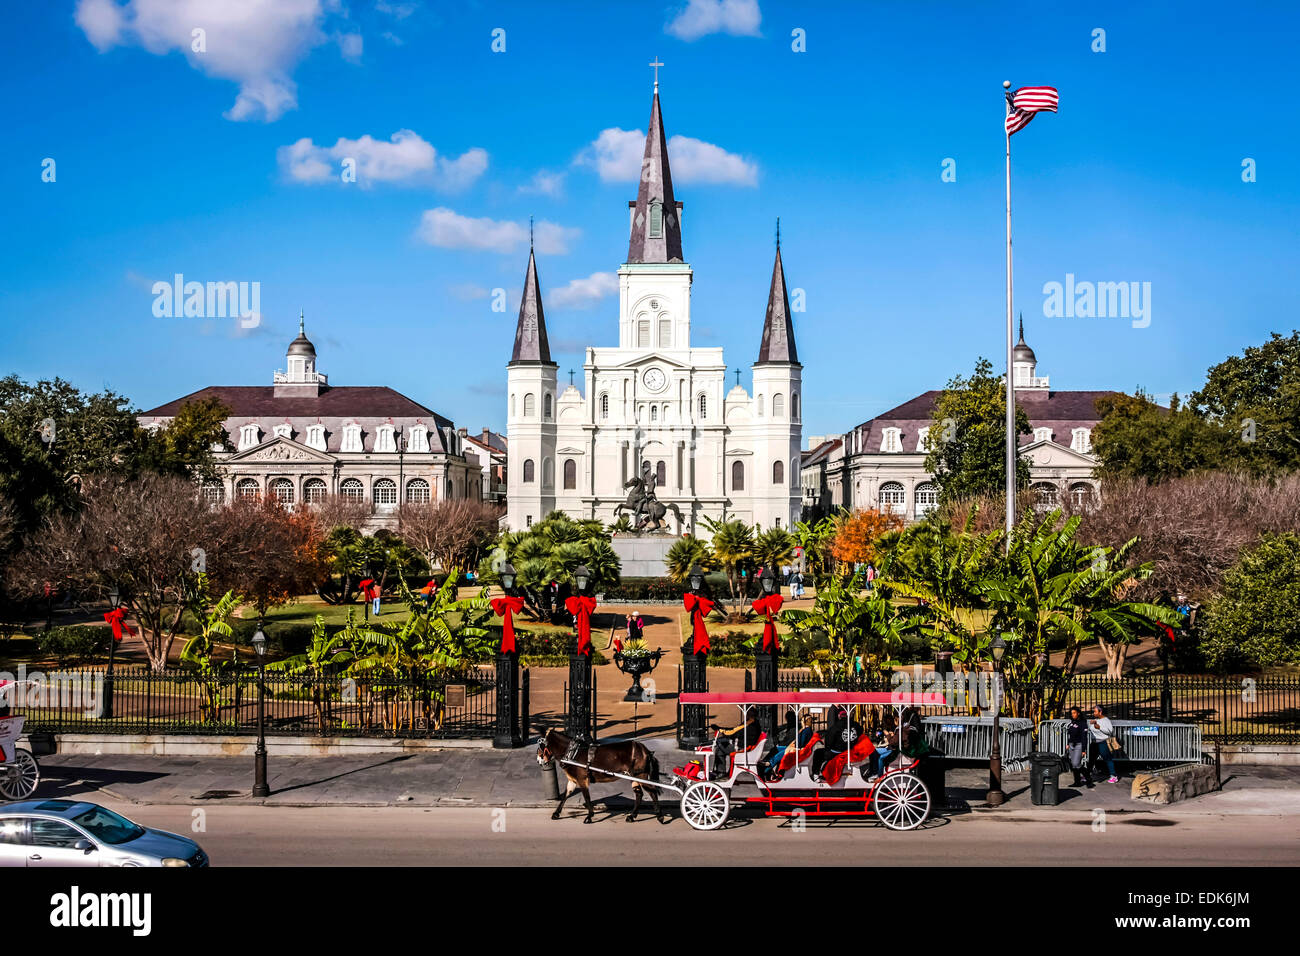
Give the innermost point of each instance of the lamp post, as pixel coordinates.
(995, 797)
(114, 602)
(401, 477)
(765, 662)
(695, 679)
(260, 789)
(507, 723)
(580, 692)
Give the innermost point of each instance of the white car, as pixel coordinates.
(76, 833)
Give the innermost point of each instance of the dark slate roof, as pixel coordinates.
(778, 331)
(656, 186)
(1059, 410)
(531, 345)
(814, 456)
(368, 406)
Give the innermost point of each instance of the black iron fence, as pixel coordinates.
(138, 700)
(1261, 709)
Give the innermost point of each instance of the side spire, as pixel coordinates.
(778, 329)
(531, 346)
(656, 234)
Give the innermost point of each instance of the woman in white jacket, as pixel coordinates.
(1102, 732)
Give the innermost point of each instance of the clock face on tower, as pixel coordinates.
(654, 379)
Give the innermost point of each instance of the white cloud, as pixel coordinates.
(406, 157)
(699, 18)
(448, 229)
(254, 43)
(584, 293)
(544, 184)
(616, 156)
(102, 21)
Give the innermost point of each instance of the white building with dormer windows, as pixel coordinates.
(655, 405)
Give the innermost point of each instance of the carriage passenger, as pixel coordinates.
(785, 743)
(841, 734)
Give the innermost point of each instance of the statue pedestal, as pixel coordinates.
(642, 556)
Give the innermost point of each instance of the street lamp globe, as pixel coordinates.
(999, 647)
(507, 575)
(768, 581)
(259, 641)
(114, 597)
(580, 578)
(696, 576)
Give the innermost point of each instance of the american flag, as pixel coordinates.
(1026, 101)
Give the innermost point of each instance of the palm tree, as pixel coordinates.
(686, 553)
(773, 548)
(815, 539)
(733, 549)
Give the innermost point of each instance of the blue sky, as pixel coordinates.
(170, 160)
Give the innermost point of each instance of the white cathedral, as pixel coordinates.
(655, 407)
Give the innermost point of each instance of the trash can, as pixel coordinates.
(1044, 778)
(550, 780)
(933, 771)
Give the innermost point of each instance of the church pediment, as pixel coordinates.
(281, 449)
(654, 358)
(569, 451)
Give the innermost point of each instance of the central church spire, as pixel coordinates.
(778, 329)
(656, 219)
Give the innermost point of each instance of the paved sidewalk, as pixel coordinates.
(497, 778)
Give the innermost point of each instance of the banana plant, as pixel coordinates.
(196, 654)
(325, 656)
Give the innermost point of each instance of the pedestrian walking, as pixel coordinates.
(1105, 740)
(1077, 736)
(871, 575)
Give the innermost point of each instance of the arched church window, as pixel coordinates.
(661, 474)
(548, 473)
(604, 407)
(643, 334)
(704, 406)
(570, 474)
(778, 473)
(530, 405)
(794, 406)
(778, 405)
(353, 490)
(546, 407)
(760, 406)
(665, 333)
(656, 220)
(737, 476)
(512, 405)
(528, 471)
(654, 413)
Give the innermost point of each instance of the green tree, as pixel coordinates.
(196, 654)
(816, 539)
(325, 656)
(1255, 398)
(1136, 438)
(733, 550)
(1255, 620)
(967, 437)
(550, 550)
(773, 548)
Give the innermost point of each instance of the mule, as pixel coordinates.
(625, 756)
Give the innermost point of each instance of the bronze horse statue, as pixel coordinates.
(624, 756)
(648, 512)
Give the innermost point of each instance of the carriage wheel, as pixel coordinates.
(18, 780)
(705, 805)
(901, 801)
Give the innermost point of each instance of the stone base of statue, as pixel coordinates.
(642, 555)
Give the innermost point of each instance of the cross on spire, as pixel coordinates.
(530, 233)
(737, 378)
(302, 329)
(656, 64)
(570, 376)
(778, 232)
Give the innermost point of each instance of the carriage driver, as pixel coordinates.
(728, 741)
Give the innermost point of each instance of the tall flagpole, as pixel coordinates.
(1011, 388)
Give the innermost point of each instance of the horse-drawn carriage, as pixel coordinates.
(19, 772)
(897, 797)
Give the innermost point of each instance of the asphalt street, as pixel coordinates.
(486, 836)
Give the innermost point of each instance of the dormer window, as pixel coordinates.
(248, 436)
(419, 440)
(1081, 440)
(351, 437)
(923, 439)
(316, 437)
(384, 439)
(656, 220)
(1042, 434)
(284, 431)
(891, 440)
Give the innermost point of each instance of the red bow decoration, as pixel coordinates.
(699, 607)
(506, 608)
(769, 606)
(115, 617)
(582, 607)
